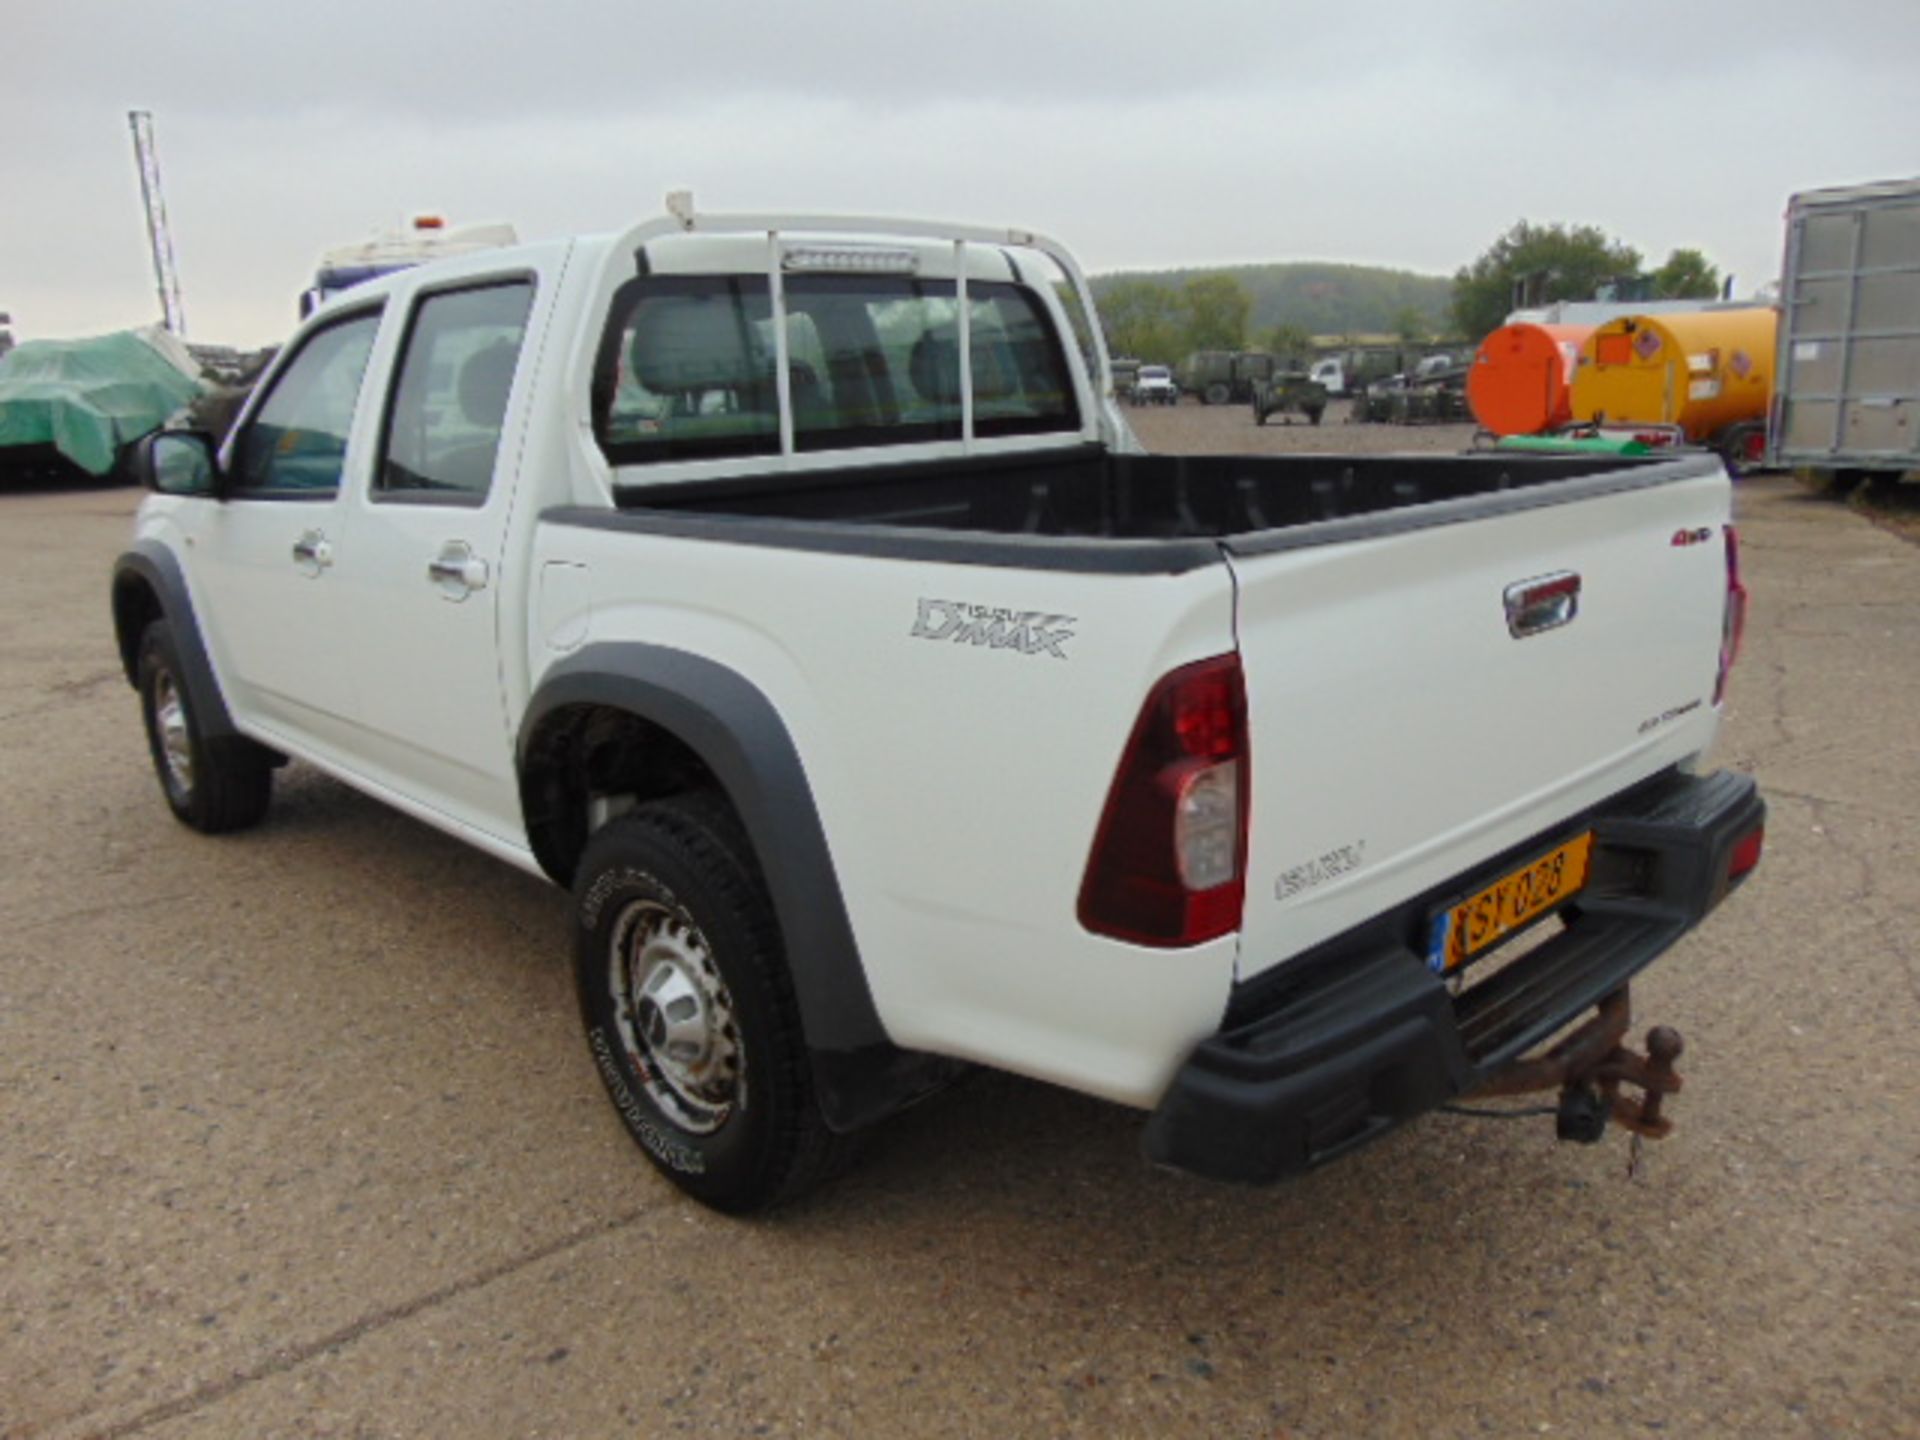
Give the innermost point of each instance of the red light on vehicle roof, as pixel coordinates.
(429, 222)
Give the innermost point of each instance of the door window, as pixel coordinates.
(296, 443)
(450, 405)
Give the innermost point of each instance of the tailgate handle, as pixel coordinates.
(1544, 603)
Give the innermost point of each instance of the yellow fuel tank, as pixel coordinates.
(1701, 370)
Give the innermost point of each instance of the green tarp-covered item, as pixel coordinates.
(87, 398)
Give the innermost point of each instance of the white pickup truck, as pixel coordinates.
(792, 590)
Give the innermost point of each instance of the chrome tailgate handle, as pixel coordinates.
(1544, 603)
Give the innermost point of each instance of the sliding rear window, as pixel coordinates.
(687, 366)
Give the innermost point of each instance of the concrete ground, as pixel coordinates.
(299, 1136)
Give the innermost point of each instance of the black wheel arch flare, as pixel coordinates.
(737, 735)
(149, 585)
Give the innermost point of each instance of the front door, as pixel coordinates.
(267, 555)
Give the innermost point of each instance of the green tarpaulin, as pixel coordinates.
(87, 398)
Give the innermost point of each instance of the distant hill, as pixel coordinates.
(1321, 298)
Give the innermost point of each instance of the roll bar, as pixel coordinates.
(681, 218)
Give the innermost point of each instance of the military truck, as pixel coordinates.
(1289, 393)
(1224, 377)
(1436, 398)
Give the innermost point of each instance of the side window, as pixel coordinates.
(686, 370)
(296, 443)
(450, 402)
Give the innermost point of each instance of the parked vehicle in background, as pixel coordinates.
(1224, 377)
(1154, 385)
(792, 591)
(1126, 373)
(70, 408)
(1289, 393)
(1330, 372)
(422, 239)
(1437, 398)
(1697, 377)
(1846, 398)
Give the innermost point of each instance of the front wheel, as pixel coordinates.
(212, 784)
(1215, 394)
(689, 1009)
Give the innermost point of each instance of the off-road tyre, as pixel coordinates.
(214, 784)
(1216, 394)
(1314, 414)
(671, 888)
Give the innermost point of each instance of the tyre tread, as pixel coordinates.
(802, 1152)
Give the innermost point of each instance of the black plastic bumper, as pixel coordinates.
(1337, 1047)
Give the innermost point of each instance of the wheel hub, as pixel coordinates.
(170, 717)
(676, 1017)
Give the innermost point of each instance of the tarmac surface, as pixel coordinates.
(299, 1136)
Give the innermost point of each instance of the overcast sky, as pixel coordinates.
(1142, 134)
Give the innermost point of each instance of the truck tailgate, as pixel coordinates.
(1402, 734)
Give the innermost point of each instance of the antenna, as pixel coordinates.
(161, 239)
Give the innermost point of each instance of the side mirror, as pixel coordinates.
(178, 462)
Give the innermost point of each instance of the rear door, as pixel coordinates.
(1405, 727)
(423, 578)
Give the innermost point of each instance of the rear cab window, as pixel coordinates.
(687, 365)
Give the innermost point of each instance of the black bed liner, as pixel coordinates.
(1087, 509)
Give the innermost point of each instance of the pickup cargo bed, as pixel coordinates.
(1095, 494)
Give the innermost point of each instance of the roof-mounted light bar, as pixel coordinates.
(848, 260)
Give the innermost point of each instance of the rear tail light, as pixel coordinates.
(1169, 859)
(1733, 623)
(1746, 853)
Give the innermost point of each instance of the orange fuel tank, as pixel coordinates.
(1521, 378)
(1701, 370)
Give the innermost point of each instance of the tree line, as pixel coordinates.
(1281, 308)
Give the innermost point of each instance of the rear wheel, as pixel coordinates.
(689, 1009)
(213, 784)
(1744, 448)
(1215, 394)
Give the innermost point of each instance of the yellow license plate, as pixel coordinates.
(1482, 921)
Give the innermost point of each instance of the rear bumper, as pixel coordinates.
(1335, 1048)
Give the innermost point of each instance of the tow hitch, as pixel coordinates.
(1589, 1066)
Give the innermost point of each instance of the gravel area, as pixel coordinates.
(1193, 428)
(299, 1136)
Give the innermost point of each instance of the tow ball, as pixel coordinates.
(1590, 1065)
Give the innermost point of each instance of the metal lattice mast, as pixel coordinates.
(168, 279)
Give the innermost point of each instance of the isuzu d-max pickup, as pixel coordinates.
(792, 590)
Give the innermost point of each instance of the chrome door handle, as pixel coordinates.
(457, 571)
(314, 549)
